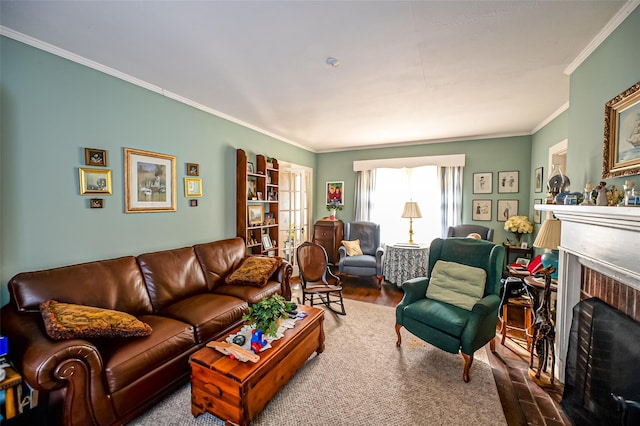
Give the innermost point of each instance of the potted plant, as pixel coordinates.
(333, 207)
(266, 313)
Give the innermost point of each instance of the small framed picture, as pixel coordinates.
(192, 187)
(251, 190)
(537, 214)
(523, 261)
(508, 182)
(259, 196)
(193, 169)
(95, 157)
(481, 210)
(266, 241)
(193, 203)
(250, 168)
(94, 181)
(524, 245)
(483, 183)
(96, 203)
(506, 209)
(256, 215)
(538, 180)
(334, 193)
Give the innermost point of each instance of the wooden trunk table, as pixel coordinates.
(235, 391)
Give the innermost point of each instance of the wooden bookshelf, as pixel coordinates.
(257, 198)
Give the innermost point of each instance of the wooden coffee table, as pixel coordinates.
(235, 391)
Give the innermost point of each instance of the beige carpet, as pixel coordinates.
(362, 378)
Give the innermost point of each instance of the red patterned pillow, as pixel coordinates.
(255, 271)
(69, 321)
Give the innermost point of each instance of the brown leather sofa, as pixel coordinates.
(180, 293)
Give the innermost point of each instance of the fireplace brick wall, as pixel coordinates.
(612, 292)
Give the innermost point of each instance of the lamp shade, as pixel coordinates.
(411, 210)
(549, 235)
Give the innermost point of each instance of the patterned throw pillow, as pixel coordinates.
(255, 271)
(69, 321)
(353, 248)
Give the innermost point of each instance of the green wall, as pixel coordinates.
(611, 69)
(485, 155)
(52, 109)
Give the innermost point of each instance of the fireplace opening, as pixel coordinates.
(602, 384)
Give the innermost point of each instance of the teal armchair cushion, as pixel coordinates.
(456, 284)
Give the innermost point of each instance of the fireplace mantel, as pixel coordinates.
(605, 239)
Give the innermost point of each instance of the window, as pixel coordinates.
(393, 188)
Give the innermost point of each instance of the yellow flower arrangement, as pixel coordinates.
(519, 225)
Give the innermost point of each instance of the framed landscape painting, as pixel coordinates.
(621, 151)
(150, 181)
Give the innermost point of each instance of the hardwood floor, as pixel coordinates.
(523, 401)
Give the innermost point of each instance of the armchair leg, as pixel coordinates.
(379, 277)
(399, 341)
(492, 344)
(468, 360)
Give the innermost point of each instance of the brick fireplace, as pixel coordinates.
(599, 257)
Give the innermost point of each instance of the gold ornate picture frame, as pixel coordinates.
(192, 187)
(621, 151)
(94, 181)
(150, 181)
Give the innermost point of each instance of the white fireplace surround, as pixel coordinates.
(605, 239)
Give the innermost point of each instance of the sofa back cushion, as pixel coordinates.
(111, 284)
(220, 258)
(171, 275)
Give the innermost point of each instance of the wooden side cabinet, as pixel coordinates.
(329, 234)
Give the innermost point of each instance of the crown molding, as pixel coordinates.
(617, 19)
(552, 117)
(55, 50)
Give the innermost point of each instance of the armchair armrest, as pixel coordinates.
(49, 365)
(481, 327)
(414, 289)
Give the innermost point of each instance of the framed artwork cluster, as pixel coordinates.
(507, 182)
(149, 180)
(95, 181)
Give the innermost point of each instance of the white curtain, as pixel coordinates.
(365, 184)
(451, 201)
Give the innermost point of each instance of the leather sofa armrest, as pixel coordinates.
(283, 276)
(49, 365)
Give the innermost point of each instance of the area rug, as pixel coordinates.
(362, 378)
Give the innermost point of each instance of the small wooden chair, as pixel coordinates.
(314, 266)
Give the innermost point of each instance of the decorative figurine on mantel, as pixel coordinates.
(588, 194)
(602, 194)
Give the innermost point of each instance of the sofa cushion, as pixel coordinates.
(172, 275)
(210, 314)
(353, 247)
(255, 271)
(70, 321)
(219, 258)
(128, 360)
(456, 284)
(111, 284)
(250, 294)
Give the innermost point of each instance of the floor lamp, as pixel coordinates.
(411, 210)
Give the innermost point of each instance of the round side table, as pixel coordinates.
(403, 262)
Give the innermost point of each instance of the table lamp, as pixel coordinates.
(549, 238)
(411, 210)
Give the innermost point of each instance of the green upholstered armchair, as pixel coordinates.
(467, 321)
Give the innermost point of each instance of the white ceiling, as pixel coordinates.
(409, 70)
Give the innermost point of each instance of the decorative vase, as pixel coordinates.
(333, 214)
(518, 238)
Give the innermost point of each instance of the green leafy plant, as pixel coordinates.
(266, 313)
(334, 205)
